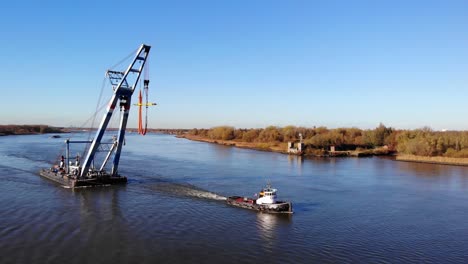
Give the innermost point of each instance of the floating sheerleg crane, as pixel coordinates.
(87, 174)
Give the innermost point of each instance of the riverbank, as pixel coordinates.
(433, 160)
(282, 148)
(279, 147)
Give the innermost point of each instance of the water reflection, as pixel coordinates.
(269, 225)
(221, 151)
(445, 176)
(295, 162)
(433, 170)
(99, 204)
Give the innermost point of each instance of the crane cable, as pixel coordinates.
(100, 106)
(142, 131)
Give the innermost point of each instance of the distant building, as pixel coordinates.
(296, 149)
(293, 149)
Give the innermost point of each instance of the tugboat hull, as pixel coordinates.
(248, 203)
(71, 181)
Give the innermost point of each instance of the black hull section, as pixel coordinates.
(70, 181)
(247, 203)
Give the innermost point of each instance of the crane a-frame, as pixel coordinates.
(87, 173)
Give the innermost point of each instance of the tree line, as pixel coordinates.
(423, 142)
(27, 129)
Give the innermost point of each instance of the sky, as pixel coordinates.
(242, 63)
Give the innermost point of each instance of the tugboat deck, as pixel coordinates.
(278, 207)
(266, 202)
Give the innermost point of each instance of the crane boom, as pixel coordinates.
(124, 84)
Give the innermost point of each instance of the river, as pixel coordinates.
(346, 210)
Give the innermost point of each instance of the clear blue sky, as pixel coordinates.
(242, 63)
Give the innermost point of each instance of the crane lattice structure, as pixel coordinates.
(123, 84)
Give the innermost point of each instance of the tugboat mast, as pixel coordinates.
(124, 84)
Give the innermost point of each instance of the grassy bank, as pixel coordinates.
(281, 147)
(273, 147)
(434, 160)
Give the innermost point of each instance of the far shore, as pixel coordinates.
(281, 148)
(248, 145)
(7, 130)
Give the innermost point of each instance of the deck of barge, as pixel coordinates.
(72, 181)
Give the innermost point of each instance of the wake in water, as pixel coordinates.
(186, 190)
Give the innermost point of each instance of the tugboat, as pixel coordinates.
(266, 202)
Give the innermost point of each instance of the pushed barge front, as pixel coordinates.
(73, 181)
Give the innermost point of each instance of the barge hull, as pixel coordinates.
(72, 182)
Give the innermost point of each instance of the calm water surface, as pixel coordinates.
(346, 210)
